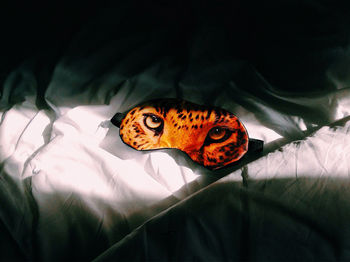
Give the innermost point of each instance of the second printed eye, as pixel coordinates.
(218, 134)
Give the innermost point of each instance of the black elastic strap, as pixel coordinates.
(255, 145)
(117, 119)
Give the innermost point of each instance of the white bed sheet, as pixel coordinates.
(79, 189)
(294, 199)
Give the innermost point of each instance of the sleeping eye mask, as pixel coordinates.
(211, 136)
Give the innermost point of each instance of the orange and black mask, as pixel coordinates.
(210, 136)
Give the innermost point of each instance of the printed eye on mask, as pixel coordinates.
(211, 136)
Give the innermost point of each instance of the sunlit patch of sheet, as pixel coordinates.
(323, 154)
(168, 173)
(14, 123)
(68, 166)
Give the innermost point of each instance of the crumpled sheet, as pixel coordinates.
(292, 205)
(71, 190)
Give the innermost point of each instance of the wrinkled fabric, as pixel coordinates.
(71, 190)
(292, 205)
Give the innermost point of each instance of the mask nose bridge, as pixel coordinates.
(169, 139)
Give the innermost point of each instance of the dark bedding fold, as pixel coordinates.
(281, 215)
(258, 223)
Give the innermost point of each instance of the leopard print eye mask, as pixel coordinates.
(210, 136)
